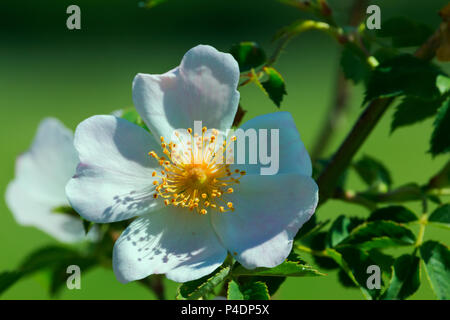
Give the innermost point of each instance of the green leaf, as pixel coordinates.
(272, 283)
(440, 139)
(393, 213)
(234, 292)
(8, 278)
(335, 255)
(443, 84)
(379, 234)
(405, 278)
(310, 228)
(87, 225)
(354, 263)
(403, 75)
(354, 66)
(412, 110)
(55, 259)
(373, 173)
(345, 280)
(434, 198)
(47, 257)
(436, 258)
(197, 289)
(337, 258)
(274, 86)
(133, 116)
(441, 179)
(319, 243)
(404, 32)
(339, 230)
(66, 210)
(58, 272)
(255, 291)
(250, 290)
(357, 261)
(249, 55)
(292, 267)
(384, 53)
(384, 261)
(441, 215)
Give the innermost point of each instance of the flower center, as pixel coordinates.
(193, 174)
(197, 175)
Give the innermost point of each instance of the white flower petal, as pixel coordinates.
(50, 162)
(113, 180)
(202, 88)
(41, 174)
(31, 211)
(293, 157)
(269, 210)
(179, 243)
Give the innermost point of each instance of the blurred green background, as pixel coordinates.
(47, 70)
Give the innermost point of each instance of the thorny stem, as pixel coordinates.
(440, 192)
(329, 27)
(423, 221)
(155, 283)
(404, 193)
(279, 49)
(283, 41)
(328, 179)
(351, 196)
(339, 103)
(335, 118)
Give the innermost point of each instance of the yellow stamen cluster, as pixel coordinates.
(192, 176)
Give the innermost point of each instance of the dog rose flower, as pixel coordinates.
(36, 196)
(190, 214)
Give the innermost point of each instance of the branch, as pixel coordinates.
(355, 198)
(335, 118)
(328, 179)
(339, 104)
